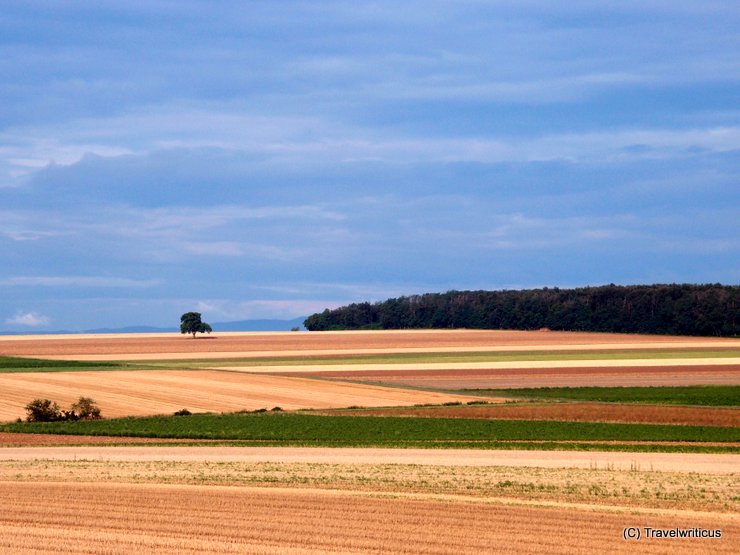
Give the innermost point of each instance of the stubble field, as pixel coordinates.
(180, 499)
(146, 392)
(211, 519)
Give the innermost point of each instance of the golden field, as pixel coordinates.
(91, 495)
(148, 392)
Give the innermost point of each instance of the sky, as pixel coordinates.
(271, 159)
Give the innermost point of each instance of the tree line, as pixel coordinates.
(701, 310)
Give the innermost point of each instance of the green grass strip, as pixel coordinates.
(20, 364)
(704, 395)
(349, 431)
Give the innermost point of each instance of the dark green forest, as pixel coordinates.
(701, 310)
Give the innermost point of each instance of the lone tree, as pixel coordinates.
(190, 322)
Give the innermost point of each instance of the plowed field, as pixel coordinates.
(558, 375)
(572, 412)
(132, 393)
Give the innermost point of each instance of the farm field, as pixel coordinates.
(270, 500)
(317, 430)
(144, 392)
(567, 412)
(156, 518)
(525, 476)
(513, 376)
(702, 395)
(257, 344)
(274, 500)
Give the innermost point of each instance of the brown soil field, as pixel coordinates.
(570, 412)
(135, 393)
(505, 378)
(176, 519)
(229, 345)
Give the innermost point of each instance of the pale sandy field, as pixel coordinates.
(674, 462)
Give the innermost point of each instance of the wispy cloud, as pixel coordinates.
(291, 144)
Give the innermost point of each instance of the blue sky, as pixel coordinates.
(270, 159)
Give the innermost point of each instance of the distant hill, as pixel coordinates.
(243, 325)
(702, 310)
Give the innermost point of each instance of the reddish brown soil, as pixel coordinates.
(456, 372)
(573, 412)
(30, 440)
(545, 377)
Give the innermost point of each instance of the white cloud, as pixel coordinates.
(29, 319)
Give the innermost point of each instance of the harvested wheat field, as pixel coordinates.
(237, 344)
(556, 375)
(134, 393)
(121, 518)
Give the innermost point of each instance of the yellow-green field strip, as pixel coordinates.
(723, 356)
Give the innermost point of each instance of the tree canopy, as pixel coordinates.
(706, 310)
(190, 322)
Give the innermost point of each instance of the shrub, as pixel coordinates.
(276, 409)
(183, 412)
(43, 410)
(85, 409)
